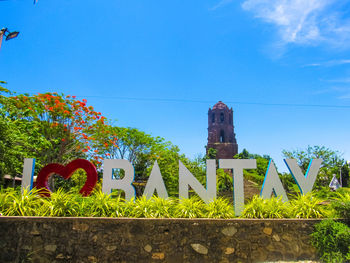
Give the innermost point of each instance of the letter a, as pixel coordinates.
(155, 183)
(272, 184)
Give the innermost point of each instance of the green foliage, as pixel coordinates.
(61, 204)
(307, 206)
(342, 209)
(211, 154)
(142, 150)
(332, 241)
(300, 206)
(152, 208)
(265, 208)
(341, 203)
(256, 175)
(342, 194)
(289, 184)
(190, 208)
(253, 176)
(71, 203)
(68, 204)
(345, 173)
(101, 205)
(14, 203)
(48, 127)
(224, 181)
(325, 193)
(220, 208)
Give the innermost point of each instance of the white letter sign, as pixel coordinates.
(28, 174)
(125, 183)
(238, 187)
(155, 183)
(272, 184)
(305, 183)
(186, 179)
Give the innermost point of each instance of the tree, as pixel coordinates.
(49, 127)
(257, 175)
(211, 154)
(345, 172)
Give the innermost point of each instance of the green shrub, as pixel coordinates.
(68, 204)
(224, 181)
(152, 208)
(265, 208)
(190, 208)
(22, 204)
(254, 176)
(5, 200)
(341, 209)
(341, 203)
(101, 205)
(61, 203)
(163, 208)
(332, 241)
(307, 206)
(220, 208)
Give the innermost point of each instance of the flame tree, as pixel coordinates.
(50, 127)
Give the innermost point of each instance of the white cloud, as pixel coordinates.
(344, 97)
(220, 4)
(330, 63)
(342, 80)
(305, 22)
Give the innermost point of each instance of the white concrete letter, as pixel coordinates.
(305, 183)
(28, 173)
(125, 183)
(186, 179)
(238, 187)
(272, 184)
(155, 183)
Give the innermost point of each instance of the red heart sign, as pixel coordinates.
(66, 172)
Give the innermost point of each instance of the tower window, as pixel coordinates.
(222, 117)
(222, 136)
(213, 117)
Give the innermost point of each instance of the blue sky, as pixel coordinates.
(282, 65)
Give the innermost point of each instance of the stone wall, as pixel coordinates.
(33, 239)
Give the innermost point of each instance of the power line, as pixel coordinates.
(214, 101)
(226, 102)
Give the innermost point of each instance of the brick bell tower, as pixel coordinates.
(221, 134)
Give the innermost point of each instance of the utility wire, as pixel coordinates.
(226, 102)
(214, 101)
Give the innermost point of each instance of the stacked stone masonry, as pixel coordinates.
(32, 239)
